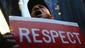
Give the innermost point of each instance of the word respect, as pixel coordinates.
(48, 36)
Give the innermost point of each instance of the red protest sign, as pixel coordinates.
(46, 33)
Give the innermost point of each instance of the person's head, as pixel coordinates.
(39, 9)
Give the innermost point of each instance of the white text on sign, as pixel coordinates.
(48, 36)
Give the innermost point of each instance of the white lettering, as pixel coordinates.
(62, 37)
(24, 34)
(77, 37)
(48, 36)
(53, 36)
(35, 35)
(45, 33)
(70, 34)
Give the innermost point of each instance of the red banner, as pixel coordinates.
(46, 33)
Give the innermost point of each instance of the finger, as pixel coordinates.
(9, 33)
(15, 46)
(8, 37)
(9, 43)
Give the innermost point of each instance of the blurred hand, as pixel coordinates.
(7, 41)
